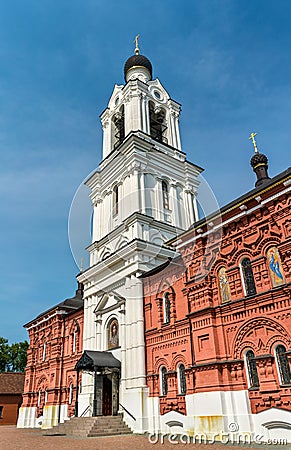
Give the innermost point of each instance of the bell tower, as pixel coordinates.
(143, 194)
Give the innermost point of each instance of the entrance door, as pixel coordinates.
(107, 397)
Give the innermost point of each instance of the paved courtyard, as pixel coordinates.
(12, 438)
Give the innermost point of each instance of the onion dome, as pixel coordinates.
(137, 61)
(259, 159)
(138, 66)
(259, 163)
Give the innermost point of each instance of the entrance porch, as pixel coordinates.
(105, 369)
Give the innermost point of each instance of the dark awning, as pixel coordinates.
(93, 360)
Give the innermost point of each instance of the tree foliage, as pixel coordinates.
(12, 357)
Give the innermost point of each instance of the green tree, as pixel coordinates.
(12, 357)
(4, 356)
(17, 356)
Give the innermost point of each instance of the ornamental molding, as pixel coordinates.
(247, 336)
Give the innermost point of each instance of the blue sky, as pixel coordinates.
(226, 61)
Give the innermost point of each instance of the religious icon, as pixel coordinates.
(113, 338)
(275, 267)
(224, 285)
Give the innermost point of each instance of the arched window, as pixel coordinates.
(283, 365)
(165, 191)
(115, 199)
(181, 379)
(71, 392)
(163, 381)
(275, 267)
(119, 132)
(248, 277)
(223, 285)
(113, 334)
(253, 377)
(167, 308)
(157, 122)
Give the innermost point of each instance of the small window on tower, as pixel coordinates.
(157, 123)
(119, 127)
(115, 199)
(165, 194)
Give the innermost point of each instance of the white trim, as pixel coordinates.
(221, 224)
(71, 394)
(57, 313)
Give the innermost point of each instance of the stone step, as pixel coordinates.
(90, 427)
(111, 433)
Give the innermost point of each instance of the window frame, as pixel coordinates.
(166, 308)
(281, 374)
(165, 193)
(248, 277)
(163, 381)
(182, 387)
(251, 370)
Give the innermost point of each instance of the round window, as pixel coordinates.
(157, 95)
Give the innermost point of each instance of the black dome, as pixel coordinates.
(259, 158)
(138, 60)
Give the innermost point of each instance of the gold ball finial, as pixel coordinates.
(136, 44)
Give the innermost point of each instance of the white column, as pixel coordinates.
(177, 130)
(158, 209)
(174, 205)
(98, 332)
(189, 208)
(106, 137)
(173, 129)
(122, 335)
(97, 220)
(139, 350)
(195, 206)
(134, 197)
(143, 112)
(128, 362)
(142, 193)
(147, 115)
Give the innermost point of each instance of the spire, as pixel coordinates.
(259, 163)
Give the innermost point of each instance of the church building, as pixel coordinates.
(180, 324)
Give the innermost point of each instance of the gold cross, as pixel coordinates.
(136, 44)
(252, 137)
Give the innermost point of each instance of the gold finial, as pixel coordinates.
(136, 44)
(81, 265)
(252, 137)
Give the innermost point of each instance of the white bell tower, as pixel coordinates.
(143, 194)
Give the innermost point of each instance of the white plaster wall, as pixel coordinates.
(27, 417)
